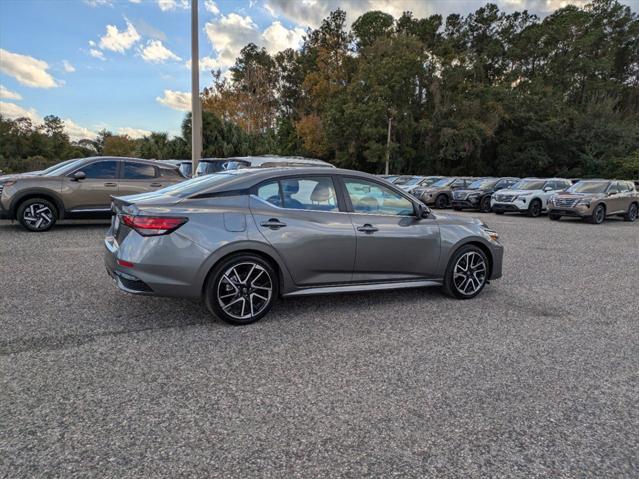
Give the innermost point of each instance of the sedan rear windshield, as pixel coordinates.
(195, 185)
(588, 187)
(529, 185)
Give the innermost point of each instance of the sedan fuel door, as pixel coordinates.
(392, 242)
(301, 218)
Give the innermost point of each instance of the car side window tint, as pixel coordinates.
(270, 192)
(100, 170)
(372, 198)
(169, 173)
(138, 171)
(309, 193)
(614, 189)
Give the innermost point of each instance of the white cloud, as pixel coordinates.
(277, 37)
(13, 111)
(67, 66)
(135, 1)
(177, 100)
(156, 52)
(8, 94)
(96, 54)
(167, 5)
(211, 7)
(270, 10)
(99, 3)
(27, 70)
(228, 34)
(77, 132)
(119, 41)
(133, 132)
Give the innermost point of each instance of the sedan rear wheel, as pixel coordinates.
(37, 214)
(467, 273)
(241, 290)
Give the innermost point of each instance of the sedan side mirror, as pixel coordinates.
(547, 189)
(79, 175)
(421, 211)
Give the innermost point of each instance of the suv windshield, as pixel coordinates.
(443, 182)
(528, 185)
(483, 184)
(60, 170)
(588, 187)
(410, 181)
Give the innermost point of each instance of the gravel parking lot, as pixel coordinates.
(537, 377)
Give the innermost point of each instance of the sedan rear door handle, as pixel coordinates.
(367, 228)
(273, 223)
(156, 185)
(111, 184)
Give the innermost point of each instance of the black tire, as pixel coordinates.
(457, 208)
(484, 205)
(554, 216)
(37, 214)
(453, 286)
(632, 213)
(245, 289)
(441, 202)
(598, 215)
(534, 209)
(499, 212)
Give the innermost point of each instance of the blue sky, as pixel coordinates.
(123, 64)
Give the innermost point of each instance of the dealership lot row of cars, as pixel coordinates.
(591, 200)
(266, 227)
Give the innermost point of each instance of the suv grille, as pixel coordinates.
(505, 198)
(565, 202)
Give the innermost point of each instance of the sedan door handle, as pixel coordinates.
(111, 184)
(273, 223)
(156, 185)
(367, 228)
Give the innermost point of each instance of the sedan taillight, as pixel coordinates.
(153, 225)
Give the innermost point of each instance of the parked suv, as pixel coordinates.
(529, 196)
(593, 200)
(479, 194)
(440, 193)
(207, 166)
(80, 189)
(417, 187)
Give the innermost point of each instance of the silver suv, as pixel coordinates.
(240, 239)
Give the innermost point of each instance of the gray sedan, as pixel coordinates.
(240, 239)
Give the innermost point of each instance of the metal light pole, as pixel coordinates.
(196, 106)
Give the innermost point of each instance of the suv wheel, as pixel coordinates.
(484, 206)
(241, 289)
(441, 202)
(631, 215)
(467, 273)
(37, 214)
(554, 216)
(598, 215)
(534, 210)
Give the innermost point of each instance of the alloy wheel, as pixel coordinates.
(599, 214)
(469, 274)
(632, 213)
(244, 290)
(38, 216)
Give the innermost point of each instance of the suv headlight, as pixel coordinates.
(522, 196)
(585, 203)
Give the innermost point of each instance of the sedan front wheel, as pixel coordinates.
(467, 273)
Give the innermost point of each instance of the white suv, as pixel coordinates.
(529, 195)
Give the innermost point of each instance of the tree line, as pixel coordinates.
(489, 93)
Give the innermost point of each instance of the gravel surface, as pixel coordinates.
(537, 377)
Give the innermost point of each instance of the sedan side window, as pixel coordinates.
(100, 170)
(306, 193)
(372, 198)
(138, 171)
